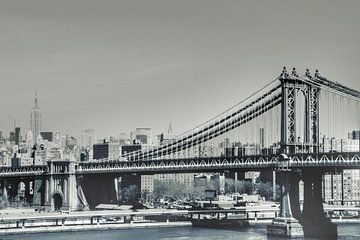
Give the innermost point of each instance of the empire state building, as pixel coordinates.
(35, 119)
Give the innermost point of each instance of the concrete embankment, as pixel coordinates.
(15, 222)
(74, 228)
(20, 222)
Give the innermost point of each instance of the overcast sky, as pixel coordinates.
(117, 65)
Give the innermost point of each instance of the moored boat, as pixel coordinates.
(219, 223)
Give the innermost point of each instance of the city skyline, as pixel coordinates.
(121, 65)
(35, 127)
(134, 116)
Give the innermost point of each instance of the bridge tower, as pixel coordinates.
(294, 89)
(292, 222)
(60, 186)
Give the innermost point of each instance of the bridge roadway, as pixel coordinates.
(325, 161)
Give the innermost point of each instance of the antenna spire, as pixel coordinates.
(36, 100)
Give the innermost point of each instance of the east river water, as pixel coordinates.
(345, 231)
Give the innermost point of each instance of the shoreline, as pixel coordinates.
(29, 222)
(100, 227)
(124, 226)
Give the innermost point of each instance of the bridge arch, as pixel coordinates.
(21, 187)
(57, 200)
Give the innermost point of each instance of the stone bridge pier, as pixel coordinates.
(58, 188)
(314, 221)
(311, 221)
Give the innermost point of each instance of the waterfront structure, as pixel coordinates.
(35, 119)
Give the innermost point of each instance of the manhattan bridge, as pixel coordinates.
(284, 123)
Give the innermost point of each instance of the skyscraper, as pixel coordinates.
(29, 139)
(35, 119)
(17, 136)
(87, 138)
(141, 136)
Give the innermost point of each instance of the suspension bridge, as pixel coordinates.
(285, 127)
